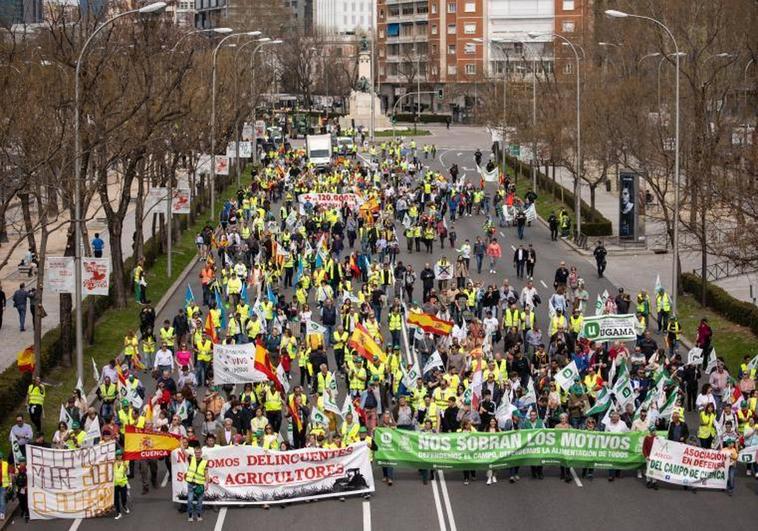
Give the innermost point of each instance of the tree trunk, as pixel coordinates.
(90, 332)
(592, 199)
(117, 258)
(139, 212)
(703, 257)
(66, 311)
(28, 223)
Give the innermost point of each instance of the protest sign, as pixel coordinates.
(70, 483)
(245, 475)
(96, 274)
(59, 274)
(329, 200)
(222, 165)
(477, 450)
(235, 364)
(682, 464)
(181, 200)
(489, 176)
(609, 327)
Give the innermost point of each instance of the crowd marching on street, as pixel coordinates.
(352, 337)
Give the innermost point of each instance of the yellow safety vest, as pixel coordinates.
(707, 425)
(204, 350)
(6, 477)
(358, 381)
(36, 395)
(323, 382)
(273, 401)
(196, 471)
(663, 302)
(339, 340)
(395, 321)
(575, 325)
(108, 394)
(167, 335)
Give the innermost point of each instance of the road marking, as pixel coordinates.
(513, 247)
(165, 480)
(468, 169)
(75, 525)
(446, 497)
(502, 234)
(437, 504)
(543, 283)
(576, 478)
(220, 519)
(366, 516)
(458, 154)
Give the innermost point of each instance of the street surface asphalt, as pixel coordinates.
(445, 504)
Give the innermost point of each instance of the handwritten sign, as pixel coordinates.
(59, 274)
(96, 274)
(235, 364)
(70, 483)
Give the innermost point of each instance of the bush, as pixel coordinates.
(721, 302)
(593, 222)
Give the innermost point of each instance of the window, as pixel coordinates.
(451, 70)
(381, 34)
(381, 14)
(470, 7)
(470, 69)
(568, 26)
(469, 48)
(568, 5)
(451, 49)
(451, 7)
(434, 8)
(469, 28)
(568, 68)
(451, 29)
(434, 29)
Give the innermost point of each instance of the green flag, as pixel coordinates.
(602, 401)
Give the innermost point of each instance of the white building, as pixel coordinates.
(511, 21)
(345, 16)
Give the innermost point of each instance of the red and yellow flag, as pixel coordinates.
(365, 345)
(25, 359)
(430, 324)
(210, 329)
(263, 364)
(140, 444)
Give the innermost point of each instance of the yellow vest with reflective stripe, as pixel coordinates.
(204, 349)
(6, 477)
(108, 393)
(119, 474)
(273, 401)
(36, 395)
(196, 471)
(395, 321)
(167, 335)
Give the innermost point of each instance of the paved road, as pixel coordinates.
(446, 503)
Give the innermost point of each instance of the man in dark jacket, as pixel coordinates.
(427, 280)
(600, 253)
(20, 298)
(450, 421)
(678, 430)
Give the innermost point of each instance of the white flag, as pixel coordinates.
(695, 356)
(407, 221)
(623, 391)
(312, 327)
(317, 417)
(16, 449)
(712, 361)
(347, 407)
(95, 371)
(669, 406)
(602, 401)
(435, 360)
(567, 376)
(753, 363)
(607, 418)
(531, 213)
(599, 306)
(505, 409)
(282, 377)
(531, 395)
(65, 417)
(658, 285)
(93, 432)
(330, 404)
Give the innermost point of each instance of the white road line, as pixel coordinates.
(513, 247)
(468, 169)
(576, 478)
(446, 497)
(502, 234)
(437, 504)
(165, 480)
(75, 524)
(543, 283)
(220, 519)
(366, 516)
(458, 154)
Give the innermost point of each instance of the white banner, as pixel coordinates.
(181, 200)
(246, 150)
(331, 200)
(155, 202)
(247, 132)
(245, 475)
(235, 364)
(96, 274)
(489, 176)
(231, 150)
(70, 483)
(59, 274)
(609, 327)
(222, 165)
(203, 165)
(682, 464)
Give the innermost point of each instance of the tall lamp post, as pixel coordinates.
(218, 31)
(156, 7)
(577, 188)
(479, 40)
(675, 266)
(213, 114)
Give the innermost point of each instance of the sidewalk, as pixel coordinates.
(624, 264)
(14, 340)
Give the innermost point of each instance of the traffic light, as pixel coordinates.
(439, 94)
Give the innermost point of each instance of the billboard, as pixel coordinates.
(628, 187)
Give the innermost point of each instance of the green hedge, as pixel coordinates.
(593, 222)
(721, 302)
(423, 118)
(13, 384)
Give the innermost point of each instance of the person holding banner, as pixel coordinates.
(196, 478)
(120, 485)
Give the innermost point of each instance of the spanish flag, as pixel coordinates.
(365, 345)
(140, 444)
(263, 364)
(295, 413)
(210, 329)
(25, 359)
(430, 324)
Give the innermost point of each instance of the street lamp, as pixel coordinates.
(658, 79)
(252, 63)
(675, 266)
(218, 31)
(480, 41)
(577, 196)
(213, 114)
(156, 7)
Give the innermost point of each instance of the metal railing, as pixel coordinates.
(725, 269)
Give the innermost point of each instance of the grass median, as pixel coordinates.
(731, 341)
(112, 325)
(403, 132)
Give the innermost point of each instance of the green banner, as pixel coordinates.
(475, 450)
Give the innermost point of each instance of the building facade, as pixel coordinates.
(345, 16)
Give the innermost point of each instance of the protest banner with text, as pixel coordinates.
(683, 464)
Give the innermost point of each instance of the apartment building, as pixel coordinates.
(269, 16)
(344, 17)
